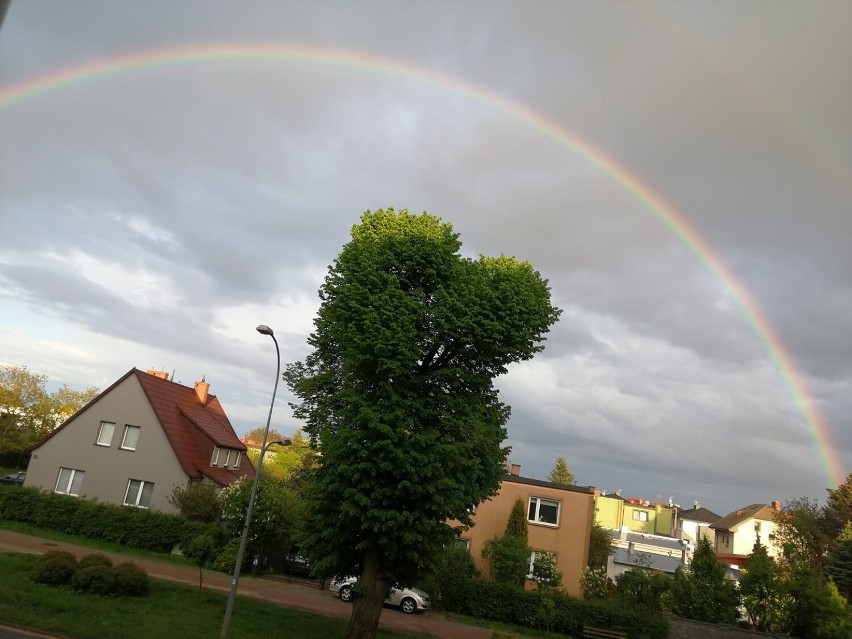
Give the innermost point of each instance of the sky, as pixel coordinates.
(173, 174)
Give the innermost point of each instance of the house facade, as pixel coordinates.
(559, 521)
(138, 440)
(636, 515)
(694, 524)
(737, 532)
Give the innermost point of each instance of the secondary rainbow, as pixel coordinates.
(352, 60)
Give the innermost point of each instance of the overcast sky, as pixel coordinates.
(152, 216)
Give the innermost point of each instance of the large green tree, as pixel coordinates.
(276, 519)
(398, 395)
(28, 412)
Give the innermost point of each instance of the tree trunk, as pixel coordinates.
(368, 607)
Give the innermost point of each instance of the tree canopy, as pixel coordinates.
(701, 591)
(398, 394)
(561, 474)
(28, 412)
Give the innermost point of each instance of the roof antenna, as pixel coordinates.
(204, 378)
(173, 376)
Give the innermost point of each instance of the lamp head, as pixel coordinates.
(265, 330)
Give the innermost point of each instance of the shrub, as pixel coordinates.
(227, 557)
(508, 559)
(130, 580)
(55, 568)
(95, 580)
(135, 527)
(95, 559)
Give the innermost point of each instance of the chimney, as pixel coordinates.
(201, 389)
(516, 470)
(160, 374)
(776, 506)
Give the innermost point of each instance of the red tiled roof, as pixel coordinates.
(187, 424)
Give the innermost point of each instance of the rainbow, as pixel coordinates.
(351, 60)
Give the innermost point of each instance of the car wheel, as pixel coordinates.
(346, 593)
(408, 605)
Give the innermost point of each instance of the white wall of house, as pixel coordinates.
(107, 467)
(695, 530)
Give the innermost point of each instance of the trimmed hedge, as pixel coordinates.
(552, 612)
(132, 527)
(93, 574)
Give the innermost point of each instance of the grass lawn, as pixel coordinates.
(170, 610)
(94, 544)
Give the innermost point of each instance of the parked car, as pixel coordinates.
(14, 478)
(296, 563)
(409, 600)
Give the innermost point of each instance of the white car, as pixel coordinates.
(409, 600)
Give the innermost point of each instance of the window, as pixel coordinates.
(640, 515)
(131, 437)
(69, 481)
(138, 493)
(226, 457)
(543, 511)
(534, 555)
(105, 434)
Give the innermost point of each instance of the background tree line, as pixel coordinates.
(28, 412)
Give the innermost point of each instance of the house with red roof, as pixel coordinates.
(138, 440)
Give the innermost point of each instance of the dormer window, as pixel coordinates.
(226, 458)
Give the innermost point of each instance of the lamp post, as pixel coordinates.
(232, 594)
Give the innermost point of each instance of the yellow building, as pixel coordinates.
(652, 518)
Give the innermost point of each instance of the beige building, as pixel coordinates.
(559, 519)
(694, 524)
(737, 532)
(138, 440)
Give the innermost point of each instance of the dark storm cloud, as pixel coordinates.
(161, 213)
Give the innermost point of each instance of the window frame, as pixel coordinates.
(143, 483)
(108, 443)
(72, 478)
(640, 515)
(538, 503)
(128, 428)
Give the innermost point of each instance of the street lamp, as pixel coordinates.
(232, 594)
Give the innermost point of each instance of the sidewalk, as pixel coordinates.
(302, 595)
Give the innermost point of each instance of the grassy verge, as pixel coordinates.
(170, 610)
(27, 529)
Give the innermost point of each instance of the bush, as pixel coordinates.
(130, 580)
(95, 559)
(56, 568)
(94, 580)
(227, 557)
(555, 612)
(134, 527)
